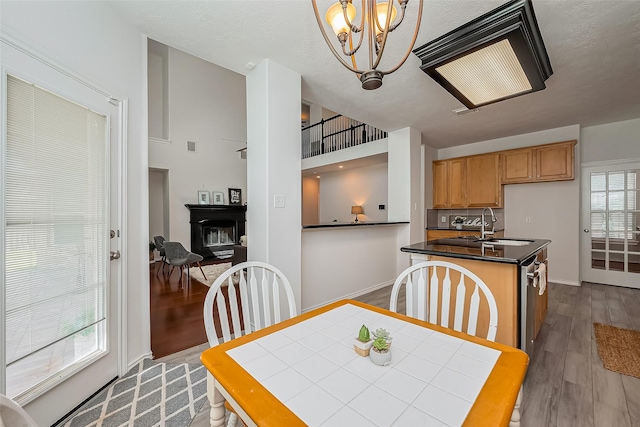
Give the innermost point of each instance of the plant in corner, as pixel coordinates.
(152, 247)
(380, 353)
(362, 344)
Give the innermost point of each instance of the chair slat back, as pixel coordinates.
(434, 303)
(259, 287)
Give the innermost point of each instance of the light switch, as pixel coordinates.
(278, 201)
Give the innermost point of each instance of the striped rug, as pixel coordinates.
(150, 394)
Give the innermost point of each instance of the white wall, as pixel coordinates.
(553, 207)
(68, 33)
(346, 262)
(611, 141)
(310, 200)
(365, 186)
(207, 104)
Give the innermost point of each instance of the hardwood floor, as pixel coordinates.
(566, 384)
(176, 314)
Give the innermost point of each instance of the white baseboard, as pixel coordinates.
(352, 295)
(564, 282)
(139, 359)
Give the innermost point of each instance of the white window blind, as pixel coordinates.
(56, 234)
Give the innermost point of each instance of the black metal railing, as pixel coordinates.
(337, 133)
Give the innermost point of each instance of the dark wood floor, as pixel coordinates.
(176, 314)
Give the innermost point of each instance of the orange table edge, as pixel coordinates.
(499, 391)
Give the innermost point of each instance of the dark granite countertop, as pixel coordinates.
(352, 224)
(470, 248)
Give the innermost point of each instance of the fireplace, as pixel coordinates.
(216, 229)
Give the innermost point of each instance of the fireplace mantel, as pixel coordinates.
(203, 217)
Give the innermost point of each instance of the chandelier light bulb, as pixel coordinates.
(381, 9)
(335, 18)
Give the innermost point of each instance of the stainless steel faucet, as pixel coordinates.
(483, 232)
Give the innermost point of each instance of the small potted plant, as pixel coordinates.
(458, 221)
(362, 344)
(381, 332)
(380, 353)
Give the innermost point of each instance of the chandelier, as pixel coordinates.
(377, 20)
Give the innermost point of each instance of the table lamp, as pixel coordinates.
(355, 210)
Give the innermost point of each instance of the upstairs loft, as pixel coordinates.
(337, 133)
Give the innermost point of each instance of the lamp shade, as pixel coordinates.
(356, 210)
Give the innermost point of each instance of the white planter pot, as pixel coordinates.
(362, 348)
(381, 359)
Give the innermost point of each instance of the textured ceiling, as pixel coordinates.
(593, 45)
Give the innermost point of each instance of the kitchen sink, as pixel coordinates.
(507, 242)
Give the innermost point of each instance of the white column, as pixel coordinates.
(274, 169)
(405, 188)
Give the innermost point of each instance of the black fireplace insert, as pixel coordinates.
(216, 229)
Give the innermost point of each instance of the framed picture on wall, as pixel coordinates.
(218, 197)
(235, 196)
(203, 198)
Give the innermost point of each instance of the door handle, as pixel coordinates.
(114, 255)
(586, 230)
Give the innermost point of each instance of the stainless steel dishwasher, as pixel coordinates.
(528, 296)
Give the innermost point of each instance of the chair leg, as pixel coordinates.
(171, 270)
(199, 266)
(188, 277)
(180, 280)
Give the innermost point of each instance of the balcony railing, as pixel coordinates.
(337, 133)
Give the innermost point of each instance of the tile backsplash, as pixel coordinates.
(434, 217)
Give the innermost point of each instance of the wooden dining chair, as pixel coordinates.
(247, 297)
(430, 295)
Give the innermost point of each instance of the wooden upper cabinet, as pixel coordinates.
(555, 162)
(440, 182)
(476, 181)
(457, 183)
(483, 181)
(449, 181)
(517, 166)
(552, 162)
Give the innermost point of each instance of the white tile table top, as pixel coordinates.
(312, 369)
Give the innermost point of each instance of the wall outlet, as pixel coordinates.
(527, 219)
(278, 201)
(380, 207)
(443, 219)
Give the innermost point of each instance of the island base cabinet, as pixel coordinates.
(502, 281)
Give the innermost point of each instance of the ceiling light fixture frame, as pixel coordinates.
(514, 21)
(371, 77)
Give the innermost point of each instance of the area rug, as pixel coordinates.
(619, 349)
(212, 271)
(150, 394)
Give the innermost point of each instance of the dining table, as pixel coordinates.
(304, 371)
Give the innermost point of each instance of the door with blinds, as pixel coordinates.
(610, 231)
(60, 300)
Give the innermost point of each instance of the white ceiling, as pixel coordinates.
(593, 45)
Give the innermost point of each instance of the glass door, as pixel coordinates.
(59, 298)
(610, 244)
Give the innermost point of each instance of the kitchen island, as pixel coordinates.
(502, 264)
